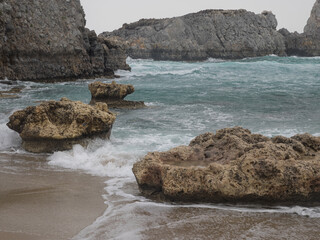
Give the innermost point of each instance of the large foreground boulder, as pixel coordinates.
(57, 125)
(229, 34)
(113, 94)
(235, 165)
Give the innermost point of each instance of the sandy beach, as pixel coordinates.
(41, 202)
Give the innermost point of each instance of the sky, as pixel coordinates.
(106, 15)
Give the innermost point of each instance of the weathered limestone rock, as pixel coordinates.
(229, 34)
(57, 125)
(113, 94)
(48, 41)
(235, 165)
(308, 43)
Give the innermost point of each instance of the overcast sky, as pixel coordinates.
(104, 15)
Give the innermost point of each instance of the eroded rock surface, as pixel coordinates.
(57, 125)
(235, 165)
(229, 34)
(113, 94)
(47, 41)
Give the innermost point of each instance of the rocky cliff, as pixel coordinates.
(228, 34)
(307, 43)
(47, 40)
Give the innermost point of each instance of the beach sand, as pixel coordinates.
(42, 202)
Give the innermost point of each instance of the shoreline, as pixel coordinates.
(39, 203)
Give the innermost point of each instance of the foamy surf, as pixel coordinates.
(9, 140)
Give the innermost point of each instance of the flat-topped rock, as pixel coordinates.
(58, 125)
(235, 165)
(228, 34)
(113, 94)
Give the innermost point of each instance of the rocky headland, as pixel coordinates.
(113, 94)
(234, 165)
(58, 125)
(228, 34)
(48, 41)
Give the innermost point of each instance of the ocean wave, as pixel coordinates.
(9, 140)
(103, 161)
(215, 60)
(113, 158)
(159, 72)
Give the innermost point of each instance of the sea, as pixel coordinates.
(268, 95)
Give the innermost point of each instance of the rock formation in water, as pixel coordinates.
(229, 34)
(113, 94)
(47, 40)
(235, 165)
(307, 43)
(57, 125)
(11, 93)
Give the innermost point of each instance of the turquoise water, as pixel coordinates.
(269, 95)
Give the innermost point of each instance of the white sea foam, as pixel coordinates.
(106, 160)
(215, 60)
(134, 216)
(9, 139)
(113, 158)
(317, 57)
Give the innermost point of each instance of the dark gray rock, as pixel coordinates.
(228, 34)
(313, 25)
(308, 43)
(47, 40)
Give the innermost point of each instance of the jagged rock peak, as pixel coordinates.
(313, 25)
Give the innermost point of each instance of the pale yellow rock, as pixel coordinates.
(237, 166)
(113, 94)
(57, 125)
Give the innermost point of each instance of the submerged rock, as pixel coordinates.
(11, 93)
(235, 165)
(113, 94)
(6, 96)
(228, 34)
(57, 125)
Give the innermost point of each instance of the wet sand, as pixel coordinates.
(42, 202)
